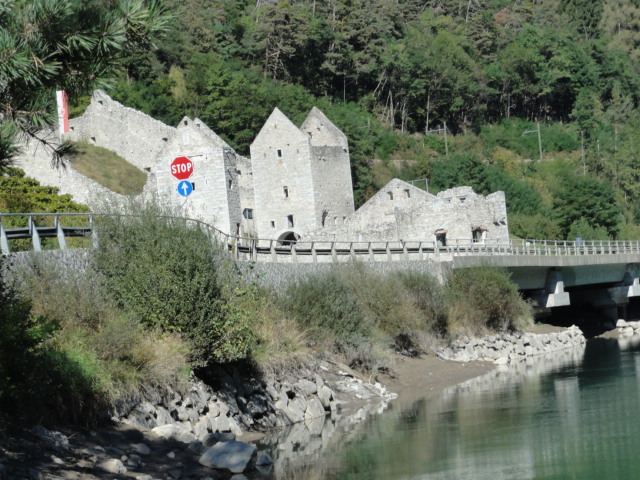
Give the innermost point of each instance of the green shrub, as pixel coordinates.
(363, 313)
(483, 299)
(163, 270)
(68, 354)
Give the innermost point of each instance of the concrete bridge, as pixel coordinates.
(599, 274)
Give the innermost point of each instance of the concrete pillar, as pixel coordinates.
(553, 294)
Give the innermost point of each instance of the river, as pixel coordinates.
(572, 415)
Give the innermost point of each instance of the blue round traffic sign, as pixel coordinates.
(185, 188)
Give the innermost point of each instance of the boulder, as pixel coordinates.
(174, 432)
(306, 387)
(314, 408)
(234, 457)
(113, 466)
(141, 448)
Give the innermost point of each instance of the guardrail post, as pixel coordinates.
(294, 253)
(4, 241)
(62, 242)
(405, 253)
(420, 253)
(272, 249)
(35, 236)
(254, 249)
(388, 252)
(314, 254)
(334, 254)
(371, 255)
(94, 233)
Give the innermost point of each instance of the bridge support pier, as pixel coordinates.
(553, 294)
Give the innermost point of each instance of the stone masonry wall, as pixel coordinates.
(35, 160)
(134, 136)
(331, 172)
(400, 211)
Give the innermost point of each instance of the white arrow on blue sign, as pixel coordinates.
(185, 188)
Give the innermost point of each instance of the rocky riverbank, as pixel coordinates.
(181, 434)
(191, 433)
(507, 347)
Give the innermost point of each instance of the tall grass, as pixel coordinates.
(362, 314)
(68, 354)
(484, 299)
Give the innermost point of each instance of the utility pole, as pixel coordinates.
(537, 130)
(441, 130)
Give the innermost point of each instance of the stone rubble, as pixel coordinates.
(504, 348)
(237, 404)
(627, 329)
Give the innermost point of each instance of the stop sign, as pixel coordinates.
(181, 168)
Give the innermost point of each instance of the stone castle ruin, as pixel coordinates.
(296, 185)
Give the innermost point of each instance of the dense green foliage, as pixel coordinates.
(485, 298)
(67, 353)
(166, 275)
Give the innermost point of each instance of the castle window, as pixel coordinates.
(390, 195)
(247, 213)
(286, 191)
(186, 123)
(279, 152)
(147, 169)
(290, 221)
(408, 192)
(273, 224)
(230, 184)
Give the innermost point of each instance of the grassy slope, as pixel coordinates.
(108, 169)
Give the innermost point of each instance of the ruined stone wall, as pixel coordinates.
(403, 212)
(35, 160)
(244, 173)
(281, 157)
(133, 135)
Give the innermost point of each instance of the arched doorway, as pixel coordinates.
(288, 238)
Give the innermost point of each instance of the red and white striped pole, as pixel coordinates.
(63, 112)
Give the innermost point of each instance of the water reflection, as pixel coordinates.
(567, 415)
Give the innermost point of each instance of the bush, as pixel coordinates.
(164, 271)
(483, 299)
(361, 313)
(68, 354)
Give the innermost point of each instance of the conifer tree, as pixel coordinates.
(72, 45)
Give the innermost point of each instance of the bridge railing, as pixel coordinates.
(36, 226)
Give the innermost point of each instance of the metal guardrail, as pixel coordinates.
(242, 248)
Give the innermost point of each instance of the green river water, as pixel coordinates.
(572, 415)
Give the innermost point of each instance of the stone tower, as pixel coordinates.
(301, 177)
(215, 198)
